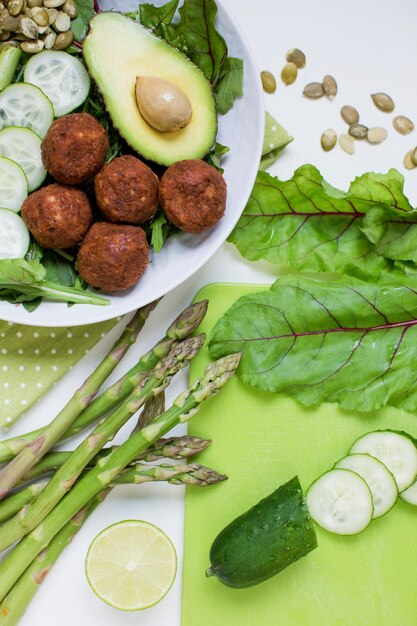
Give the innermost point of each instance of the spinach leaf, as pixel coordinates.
(59, 269)
(344, 341)
(79, 26)
(229, 85)
(309, 225)
(155, 18)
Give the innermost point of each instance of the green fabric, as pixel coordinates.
(33, 359)
(261, 440)
(276, 139)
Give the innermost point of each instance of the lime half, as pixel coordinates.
(131, 565)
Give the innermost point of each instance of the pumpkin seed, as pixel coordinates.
(34, 3)
(53, 14)
(70, 8)
(62, 22)
(408, 161)
(296, 56)
(414, 156)
(329, 86)
(15, 7)
(313, 90)
(349, 114)
(269, 83)
(32, 47)
(4, 13)
(40, 15)
(29, 28)
(63, 40)
(44, 30)
(289, 73)
(1, 6)
(403, 124)
(347, 143)
(5, 35)
(376, 135)
(53, 4)
(11, 23)
(7, 44)
(383, 102)
(328, 139)
(358, 131)
(49, 40)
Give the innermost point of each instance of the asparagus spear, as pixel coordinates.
(177, 448)
(16, 602)
(106, 470)
(67, 474)
(31, 453)
(14, 503)
(183, 326)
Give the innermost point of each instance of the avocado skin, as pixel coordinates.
(133, 141)
(265, 540)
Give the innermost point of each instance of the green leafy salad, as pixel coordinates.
(32, 272)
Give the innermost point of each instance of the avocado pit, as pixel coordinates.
(162, 104)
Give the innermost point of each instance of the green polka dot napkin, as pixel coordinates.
(33, 359)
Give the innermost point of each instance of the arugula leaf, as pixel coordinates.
(344, 341)
(229, 85)
(158, 232)
(58, 269)
(155, 18)
(214, 157)
(20, 271)
(307, 224)
(79, 26)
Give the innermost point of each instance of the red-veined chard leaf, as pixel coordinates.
(345, 341)
(393, 232)
(79, 26)
(309, 225)
(155, 18)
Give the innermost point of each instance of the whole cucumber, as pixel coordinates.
(266, 539)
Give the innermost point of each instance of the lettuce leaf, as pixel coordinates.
(345, 341)
(307, 224)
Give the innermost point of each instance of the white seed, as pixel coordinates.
(330, 86)
(328, 139)
(62, 22)
(70, 8)
(313, 90)
(347, 143)
(376, 135)
(408, 161)
(32, 47)
(403, 124)
(383, 102)
(53, 4)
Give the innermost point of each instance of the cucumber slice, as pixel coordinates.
(14, 235)
(25, 105)
(378, 478)
(24, 146)
(396, 451)
(340, 501)
(13, 185)
(410, 494)
(61, 76)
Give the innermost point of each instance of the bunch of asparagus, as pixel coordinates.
(46, 495)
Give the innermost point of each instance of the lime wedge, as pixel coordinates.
(131, 565)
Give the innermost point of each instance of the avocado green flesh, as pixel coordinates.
(265, 540)
(116, 51)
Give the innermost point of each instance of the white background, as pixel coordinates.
(368, 46)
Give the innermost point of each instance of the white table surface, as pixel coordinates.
(368, 46)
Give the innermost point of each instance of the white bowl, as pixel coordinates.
(242, 130)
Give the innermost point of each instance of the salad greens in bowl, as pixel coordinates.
(60, 263)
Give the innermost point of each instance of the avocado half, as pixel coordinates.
(117, 50)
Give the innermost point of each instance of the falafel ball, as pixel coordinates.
(74, 148)
(127, 191)
(113, 257)
(193, 195)
(57, 216)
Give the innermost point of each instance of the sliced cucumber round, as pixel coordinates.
(24, 146)
(378, 478)
(13, 185)
(61, 76)
(26, 105)
(340, 501)
(410, 494)
(14, 235)
(396, 451)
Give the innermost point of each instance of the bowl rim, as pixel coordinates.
(25, 318)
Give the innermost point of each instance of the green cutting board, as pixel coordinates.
(261, 440)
